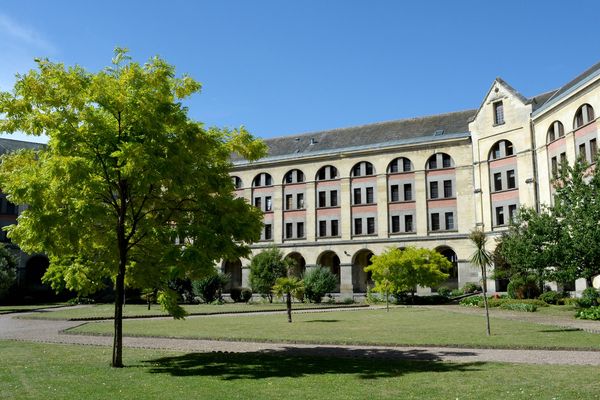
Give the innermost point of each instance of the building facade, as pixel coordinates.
(337, 197)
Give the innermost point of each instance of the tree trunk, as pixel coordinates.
(289, 306)
(117, 358)
(485, 302)
(387, 301)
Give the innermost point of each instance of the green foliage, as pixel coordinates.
(471, 301)
(471, 287)
(523, 287)
(288, 287)
(403, 270)
(590, 297)
(210, 287)
(129, 189)
(240, 294)
(318, 282)
(592, 313)
(519, 307)
(80, 300)
(500, 302)
(347, 300)
(551, 297)
(444, 291)
(8, 270)
(265, 268)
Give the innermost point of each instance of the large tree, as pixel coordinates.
(128, 188)
(398, 270)
(577, 206)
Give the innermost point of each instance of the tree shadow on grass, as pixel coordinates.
(293, 362)
(320, 320)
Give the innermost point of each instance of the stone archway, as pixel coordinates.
(330, 260)
(361, 280)
(450, 254)
(234, 270)
(299, 266)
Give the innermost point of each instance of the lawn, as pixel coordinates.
(29, 307)
(98, 311)
(400, 326)
(50, 371)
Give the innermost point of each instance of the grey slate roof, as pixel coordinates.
(539, 100)
(434, 127)
(10, 145)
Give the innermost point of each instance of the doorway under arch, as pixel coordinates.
(361, 280)
(234, 270)
(329, 259)
(297, 270)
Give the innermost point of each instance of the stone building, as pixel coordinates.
(337, 197)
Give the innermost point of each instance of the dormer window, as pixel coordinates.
(498, 113)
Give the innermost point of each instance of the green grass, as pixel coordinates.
(29, 307)
(400, 326)
(130, 310)
(45, 371)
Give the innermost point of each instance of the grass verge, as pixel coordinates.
(400, 326)
(50, 371)
(28, 307)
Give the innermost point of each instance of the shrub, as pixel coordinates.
(570, 301)
(246, 294)
(551, 297)
(80, 300)
(523, 287)
(444, 291)
(471, 301)
(589, 298)
(501, 302)
(348, 300)
(456, 293)
(317, 282)
(471, 287)
(527, 307)
(209, 288)
(592, 313)
(8, 270)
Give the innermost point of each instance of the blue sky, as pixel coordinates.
(283, 67)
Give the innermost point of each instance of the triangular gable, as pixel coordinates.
(509, 89)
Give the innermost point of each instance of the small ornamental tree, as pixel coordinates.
(8, 270)
(318, 282)
(482, 259)
(396, 271)
(265, 268)
(128, 188)
(288, 287)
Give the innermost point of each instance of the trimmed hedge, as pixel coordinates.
(592, 313)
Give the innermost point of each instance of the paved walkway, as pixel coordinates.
(49, 331)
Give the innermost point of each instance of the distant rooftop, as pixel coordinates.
(10, 145)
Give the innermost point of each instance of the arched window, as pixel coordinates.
(440, 160)
(555, 131)
(584, 115)
(262, 179)
(363, 168)
(326, 173)
(294, 176)
(237, 182)
(501, 149)
(400, 164)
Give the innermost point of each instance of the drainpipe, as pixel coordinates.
(535, 166)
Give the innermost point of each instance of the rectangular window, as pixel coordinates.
(322, 228)
(394, 166)
(322, 199)
(268, 232)
(356, 170)
(333, 198)
(289, 178)
(288, 201)
(322, 174)
(300, 201)
(446, 161)
(511, 182)
(358, 226)
(435, 221)
(300, 230)
(268, 203)
(447, 189)
(449, 219)
(433, 162)
(563, 158)
(268, 180)
(370, 225)
(368, 169)
(407, 192)
(11, 208)
(497, 181)
(433, 190)
(593, 150)
(408, 223)
(370, 197)
(512, 212)
(554, 163)
(258, 203)
(498, 113)
(357, 199)
(334, 227)
(405, 164)
(499, 215)
(394, 194)
(582, 150)
(395, 223)
(289, 230)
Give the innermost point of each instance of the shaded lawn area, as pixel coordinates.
(132, 310)
(400, 326)
(28, 307)
(51, 371)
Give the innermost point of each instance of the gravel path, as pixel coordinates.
(48, 331)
